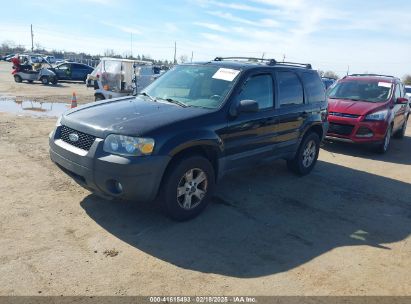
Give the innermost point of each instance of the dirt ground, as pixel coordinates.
(342, 230)
(35, 91)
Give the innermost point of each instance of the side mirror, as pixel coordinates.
(402, 100)
(244, 106)
(248, 106)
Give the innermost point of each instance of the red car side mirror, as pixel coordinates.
(402, 100)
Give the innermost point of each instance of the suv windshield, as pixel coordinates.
(362, 90)
(194, 85)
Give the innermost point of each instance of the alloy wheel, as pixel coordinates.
(192, 188)
(309, 153)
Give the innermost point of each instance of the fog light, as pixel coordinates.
(114, 186)
(364, 132)
(118, 186)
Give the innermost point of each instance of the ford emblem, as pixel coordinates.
(73, 137)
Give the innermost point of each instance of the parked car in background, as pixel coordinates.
(408, 91)
(190, 127)
(72, 71)
(8, 57)
(328, 82)
(43, 73)
(50, 59)
(59, 61)
(368, 108)
(31, 58)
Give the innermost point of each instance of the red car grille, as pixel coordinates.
(340, 129)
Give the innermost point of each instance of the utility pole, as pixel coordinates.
(348, 70)
(175, 52)
(192, 55)
(131, 45)
(32, 45)
(283, 57)
(262, 57)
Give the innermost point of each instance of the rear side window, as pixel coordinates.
(290, 89)
(260, 89)
(313, 87)
(78, 66)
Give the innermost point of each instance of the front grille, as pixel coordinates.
(340, 129)
(344, 115)
(84, 140)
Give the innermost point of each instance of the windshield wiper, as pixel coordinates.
(181, 104)
(145, 94)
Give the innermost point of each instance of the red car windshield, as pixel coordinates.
(362, 90)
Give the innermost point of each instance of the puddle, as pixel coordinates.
(33, 108)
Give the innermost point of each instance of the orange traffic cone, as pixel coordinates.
(74, 100)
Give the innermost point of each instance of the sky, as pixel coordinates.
(352, 35)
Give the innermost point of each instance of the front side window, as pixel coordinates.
(260, 89)
(194, 85)
(369, 90)
(290, 89)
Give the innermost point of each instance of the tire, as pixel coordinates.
(384, 146)
(44, 80)
(98, 97)
(401, 132)
(54, 80)
(17, 78)
(191, 199)
(306, 156)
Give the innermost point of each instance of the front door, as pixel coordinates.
(63, 71)
(250, 136)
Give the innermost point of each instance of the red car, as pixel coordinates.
(368, 108)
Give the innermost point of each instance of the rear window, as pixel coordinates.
(290, 89)
(313, 87)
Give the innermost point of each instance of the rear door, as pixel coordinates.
(250, 136)
(292, 111)
(78, 71)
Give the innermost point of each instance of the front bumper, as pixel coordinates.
(352, 130)
(100, 172)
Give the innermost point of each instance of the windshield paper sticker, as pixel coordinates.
(384, 84)
(226, 74)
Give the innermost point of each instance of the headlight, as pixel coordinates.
(380, 115)
(58, 122)
(127, 145)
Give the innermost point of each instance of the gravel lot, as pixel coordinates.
(342, 230)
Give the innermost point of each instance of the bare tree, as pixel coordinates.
(109, 53)
(331, 74)
(183, 58)
(407, 79)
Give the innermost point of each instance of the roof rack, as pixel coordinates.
(267, 61)
(373, 75)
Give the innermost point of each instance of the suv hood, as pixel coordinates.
(127, 116)
(353, 107)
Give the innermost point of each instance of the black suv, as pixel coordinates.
(188, 128)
